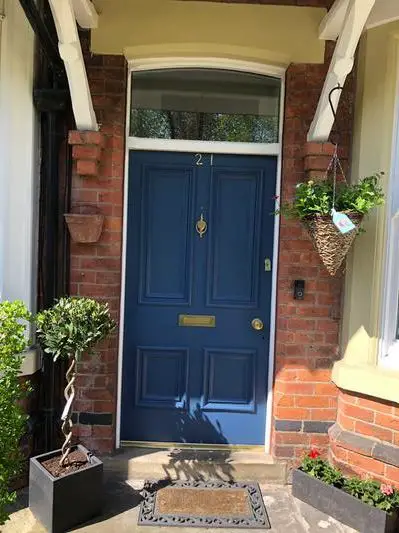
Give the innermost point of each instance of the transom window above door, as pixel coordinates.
(205, 105)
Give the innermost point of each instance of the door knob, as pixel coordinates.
(257, 324)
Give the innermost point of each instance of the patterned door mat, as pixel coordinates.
(203, 504)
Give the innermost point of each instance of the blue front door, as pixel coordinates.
(199, 246)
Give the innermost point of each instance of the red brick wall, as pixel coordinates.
(365, 440)
(96, 268)
(305, 400)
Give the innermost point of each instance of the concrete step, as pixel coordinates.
(198, 464)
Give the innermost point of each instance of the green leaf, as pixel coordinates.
(14, 319)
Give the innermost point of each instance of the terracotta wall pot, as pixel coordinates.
(84, 228)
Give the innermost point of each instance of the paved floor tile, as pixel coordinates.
(286, 514)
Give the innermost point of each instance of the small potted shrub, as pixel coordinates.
(13, 341)
(363, 504)
(65, 486)
(322, 207)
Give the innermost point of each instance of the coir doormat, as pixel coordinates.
(203, 504)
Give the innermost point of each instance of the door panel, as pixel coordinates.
(190, 383)
(235, 236)
(235, 394)
(166, 243)
(152, 389)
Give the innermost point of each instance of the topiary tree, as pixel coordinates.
(67, 330)
(13, 341)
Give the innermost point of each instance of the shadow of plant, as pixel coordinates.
(199, 465)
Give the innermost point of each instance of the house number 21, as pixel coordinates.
(198, 160)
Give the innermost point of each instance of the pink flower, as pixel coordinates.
(387, 490)
(314, 454)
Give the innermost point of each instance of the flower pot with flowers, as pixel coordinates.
(332, 211)
(363, 504)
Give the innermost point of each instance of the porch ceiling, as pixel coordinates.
(346, 20)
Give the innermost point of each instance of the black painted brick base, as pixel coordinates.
(303, 426)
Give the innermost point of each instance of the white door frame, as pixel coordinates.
(133, 143)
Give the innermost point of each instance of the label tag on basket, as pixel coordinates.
(342, 221)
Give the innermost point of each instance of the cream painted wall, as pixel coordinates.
(19, 159)
(157, 28)
(372, 152)
(19, 168)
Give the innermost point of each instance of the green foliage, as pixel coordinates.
(13, 320)
(382, 496)
(362, 196)
(373, 493)
(316, 198)
(73, 326)
(321, 469)
(162, 124)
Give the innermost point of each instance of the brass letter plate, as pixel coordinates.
(198, 321)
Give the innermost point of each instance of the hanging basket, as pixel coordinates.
(84, 228)
(331, 245)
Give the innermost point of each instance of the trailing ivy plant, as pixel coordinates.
(70, 328)
(13, 341)
(315, 197)
(380, 495)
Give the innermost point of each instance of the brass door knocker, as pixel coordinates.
(201, 226)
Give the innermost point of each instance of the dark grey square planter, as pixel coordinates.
(342, 506)
(64, 502)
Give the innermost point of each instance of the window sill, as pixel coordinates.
(370, 380)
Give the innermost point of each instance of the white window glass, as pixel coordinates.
(205, 105)
(397, 322)
(390, 340)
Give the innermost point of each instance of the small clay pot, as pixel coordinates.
(84, 228)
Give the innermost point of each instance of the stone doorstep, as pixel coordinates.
(147, 463)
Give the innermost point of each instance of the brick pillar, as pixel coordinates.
(96, 268)
(307, 331)
(95, 273)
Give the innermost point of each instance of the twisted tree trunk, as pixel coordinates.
(69, 394)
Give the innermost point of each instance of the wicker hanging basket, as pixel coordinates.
(331, 245)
